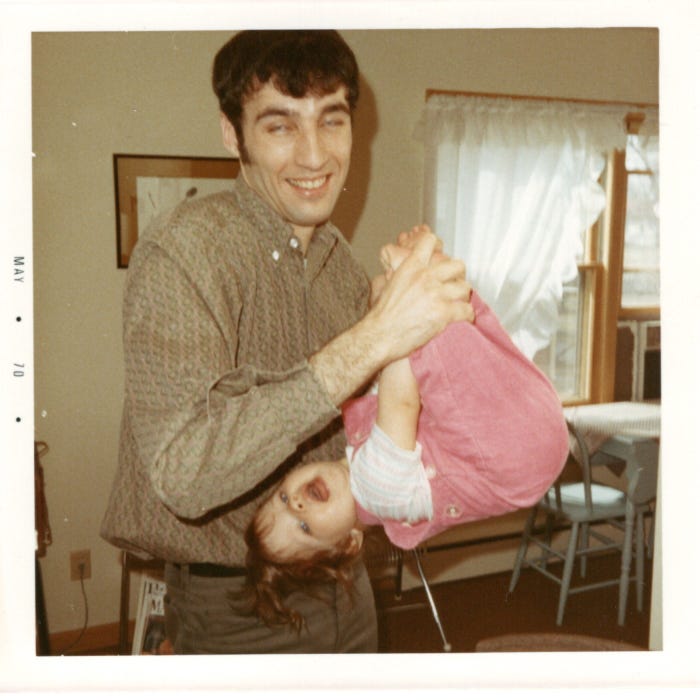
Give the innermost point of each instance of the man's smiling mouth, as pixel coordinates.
(314, 184)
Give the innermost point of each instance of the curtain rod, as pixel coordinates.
(633, 119)
(466, 93)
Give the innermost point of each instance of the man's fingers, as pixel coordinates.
(449, 268)
(423, 248)
(456, 290)
(464, 311)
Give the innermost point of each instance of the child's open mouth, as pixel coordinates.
(316, 490)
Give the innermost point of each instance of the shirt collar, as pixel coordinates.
(278, 235)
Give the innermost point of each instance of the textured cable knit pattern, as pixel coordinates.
(220, 313)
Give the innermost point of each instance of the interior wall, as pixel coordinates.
(95, 94)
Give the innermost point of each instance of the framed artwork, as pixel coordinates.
(146, 186)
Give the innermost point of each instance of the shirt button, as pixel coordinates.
(452, 511)
(430, 471)
(275, 255)
(294, 243)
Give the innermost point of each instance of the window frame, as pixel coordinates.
(634, 313)
(605, 247)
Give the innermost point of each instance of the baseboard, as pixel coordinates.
(94, 639)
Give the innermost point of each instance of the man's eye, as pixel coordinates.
(304, 527)
(278, 128)
(283, 497)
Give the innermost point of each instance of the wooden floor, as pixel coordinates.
(478, 608)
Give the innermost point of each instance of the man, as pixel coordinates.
(245, 328)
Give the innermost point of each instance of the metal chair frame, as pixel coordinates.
(625, 513)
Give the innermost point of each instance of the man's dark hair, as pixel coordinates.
(299, 62)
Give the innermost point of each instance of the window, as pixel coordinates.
(640, 272)
(620, 256)
(523, 191)
(566, 360)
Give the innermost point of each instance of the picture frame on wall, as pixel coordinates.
(145, 186)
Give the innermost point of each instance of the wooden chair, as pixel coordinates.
(583, 506)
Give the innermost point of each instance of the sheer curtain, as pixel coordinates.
(510, 186)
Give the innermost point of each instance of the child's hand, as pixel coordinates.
(408, 239)
(393, 254)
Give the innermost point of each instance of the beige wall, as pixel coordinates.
(95, 94)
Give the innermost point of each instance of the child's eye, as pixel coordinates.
(283, 497)
(304, 527)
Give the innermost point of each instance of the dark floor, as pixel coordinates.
(477, 608)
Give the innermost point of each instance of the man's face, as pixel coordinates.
(299, 152)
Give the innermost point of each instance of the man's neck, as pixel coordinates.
(304, 234)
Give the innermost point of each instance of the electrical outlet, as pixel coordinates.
(79, 559)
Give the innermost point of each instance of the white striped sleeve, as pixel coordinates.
(388, 481)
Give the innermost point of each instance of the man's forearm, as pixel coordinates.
(351, 359)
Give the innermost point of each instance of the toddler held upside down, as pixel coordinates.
(464, 429)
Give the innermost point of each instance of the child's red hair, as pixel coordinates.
(270, 581)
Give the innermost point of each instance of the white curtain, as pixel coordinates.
(510, 186)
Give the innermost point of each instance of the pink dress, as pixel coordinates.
(491, 428)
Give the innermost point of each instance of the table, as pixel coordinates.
(627, 431)
(598, 422)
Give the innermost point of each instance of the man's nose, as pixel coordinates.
(311, 150)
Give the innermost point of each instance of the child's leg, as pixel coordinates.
(399, 403)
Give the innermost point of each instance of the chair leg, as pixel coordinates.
(639, 560)
(568, 569)
(445, 644)
(626, 561)
(583, 544)
(520, 556)
(398, 576)
(548, 528)
(650, 540)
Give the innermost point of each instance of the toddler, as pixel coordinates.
(463, 429)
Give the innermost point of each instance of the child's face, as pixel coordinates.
(311, 510)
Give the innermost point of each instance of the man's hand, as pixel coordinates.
(424, 294)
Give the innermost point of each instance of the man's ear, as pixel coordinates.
(228, 135)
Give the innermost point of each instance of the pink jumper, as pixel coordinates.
(491, 427)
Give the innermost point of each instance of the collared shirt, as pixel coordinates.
(221, 312)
